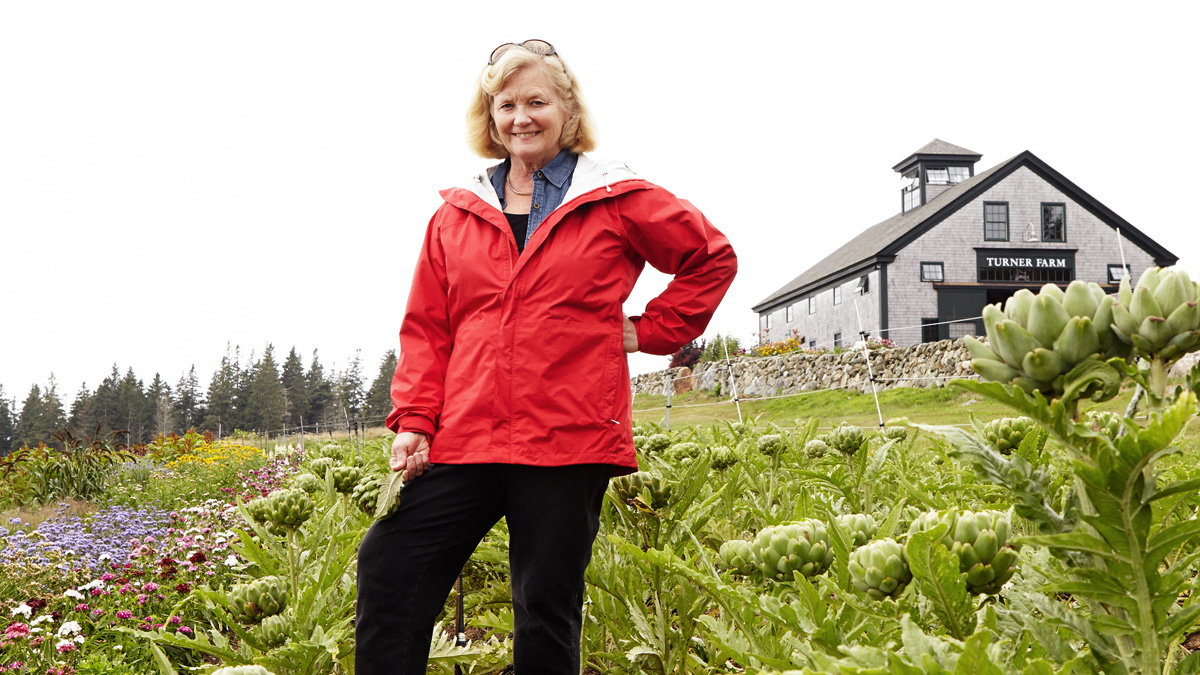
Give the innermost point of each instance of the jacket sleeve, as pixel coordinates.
(675, 238)
(418, 387)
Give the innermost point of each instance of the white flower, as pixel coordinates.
(232, 561)
(79, 639)
(94, 583)
(63, 643)
(27, 610)
(69, 628)
(72, 593)
(41, 619)
(104, 557)
(117, 647)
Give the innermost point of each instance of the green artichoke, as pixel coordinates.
(723, 457)
(274, 630)
(346, 477)
(1160, 319)
(638, 486)
(771, 444)
(880, 569)
(860, 526)
(330, 450)
(980, 540)
(1007, 433)
(897, 434)
(1106, 423)
(253, 602)
(258, 510)
(739, 556)
(657, 443)
(1037, 339)
(847, 439)
(366, 493)
(794, 547)
(289, 508)
(684, 451)
(816, 448)
(639, 442)
(242, 670)
(308, 482)
(321, 465)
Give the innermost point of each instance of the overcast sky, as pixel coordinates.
(179, 176)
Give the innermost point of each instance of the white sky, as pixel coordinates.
(175, 176)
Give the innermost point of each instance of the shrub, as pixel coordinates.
(688, 355)
(714, 349)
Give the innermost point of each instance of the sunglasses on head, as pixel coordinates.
(540, 47)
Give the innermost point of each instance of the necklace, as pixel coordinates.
(508, 179)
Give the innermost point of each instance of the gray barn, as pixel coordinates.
(960, 241)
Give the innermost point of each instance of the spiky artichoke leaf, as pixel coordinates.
(935, 569)
(839, 539)
(389, 495)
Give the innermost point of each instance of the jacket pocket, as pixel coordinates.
(564, 376)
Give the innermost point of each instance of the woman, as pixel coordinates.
(512, 390)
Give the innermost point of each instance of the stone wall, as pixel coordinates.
(930, 364)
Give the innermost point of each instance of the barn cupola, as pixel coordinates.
(932, 170)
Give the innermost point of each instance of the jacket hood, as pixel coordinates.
(590, 174)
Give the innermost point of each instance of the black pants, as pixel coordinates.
(407, 564)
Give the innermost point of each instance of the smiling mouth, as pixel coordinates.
(526, 134)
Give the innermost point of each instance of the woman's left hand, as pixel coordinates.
(630, 335)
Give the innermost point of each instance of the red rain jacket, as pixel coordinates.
(518, 359)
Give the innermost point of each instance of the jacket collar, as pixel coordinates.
(590, 174)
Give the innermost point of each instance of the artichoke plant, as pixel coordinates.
(980, 540)
(880, 569)
(289, 508)
(739, 556)
(632, 486)
(1037, 339)
(657, 443)
(321, 465)
(252, 602)
(860, 526)
(897, 434)
(308, 482)
(273, 631)
(771, 444)
(847, 439)
(723, 457)
(794, 547)
(1160, 319)
(346, 477)
(816, 448)
(684, 451)
(242, 670)
(1007, 433)
(366, 493)
(1106, 423)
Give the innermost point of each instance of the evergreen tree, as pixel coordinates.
(320, 393)
(245, 377)
(222, 391)
(82, 419)
(41, 416)
(379, 398)
(8, 423)
(295, 389)
(189, 408)
(104, 404)
(350, 386)
(266, 400)
(159, 409)
(131, 411)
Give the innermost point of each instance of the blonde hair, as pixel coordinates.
(578, 133)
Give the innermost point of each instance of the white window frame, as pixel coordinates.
(837, 295)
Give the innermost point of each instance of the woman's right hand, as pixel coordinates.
(410, 454)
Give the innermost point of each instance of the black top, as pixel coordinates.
(519, 222)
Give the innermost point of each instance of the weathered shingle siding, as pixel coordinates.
(954, 240)
(828, 319)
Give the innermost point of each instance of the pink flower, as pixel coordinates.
(97, 612)
(150, 587)
(81, 607)
(142, 599)
(175, 620)
(66, 647)
(185, 630)
(106, 577)
(16, 630)
(124, 614)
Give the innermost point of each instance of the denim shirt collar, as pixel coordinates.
(557, 173)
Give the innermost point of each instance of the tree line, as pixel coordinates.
(259, 395)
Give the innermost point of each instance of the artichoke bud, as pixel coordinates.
(1170, 292)
(1042, 364)
(771, 444)
(1047, 319)
(1013, 342)
(273, 630)
(895, 433)
(1078, 300)
(860, 527)
(880, 569)
(1018, 306)
(1149, 279)
(816, 448)
(1156, 331)
(657, 443)
(723, 457)
(739, 556)
(847, 439)
(1077, 341)
(1144, 305)
(1123, 323)
(1185, 317)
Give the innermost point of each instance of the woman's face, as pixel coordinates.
(529, 117)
